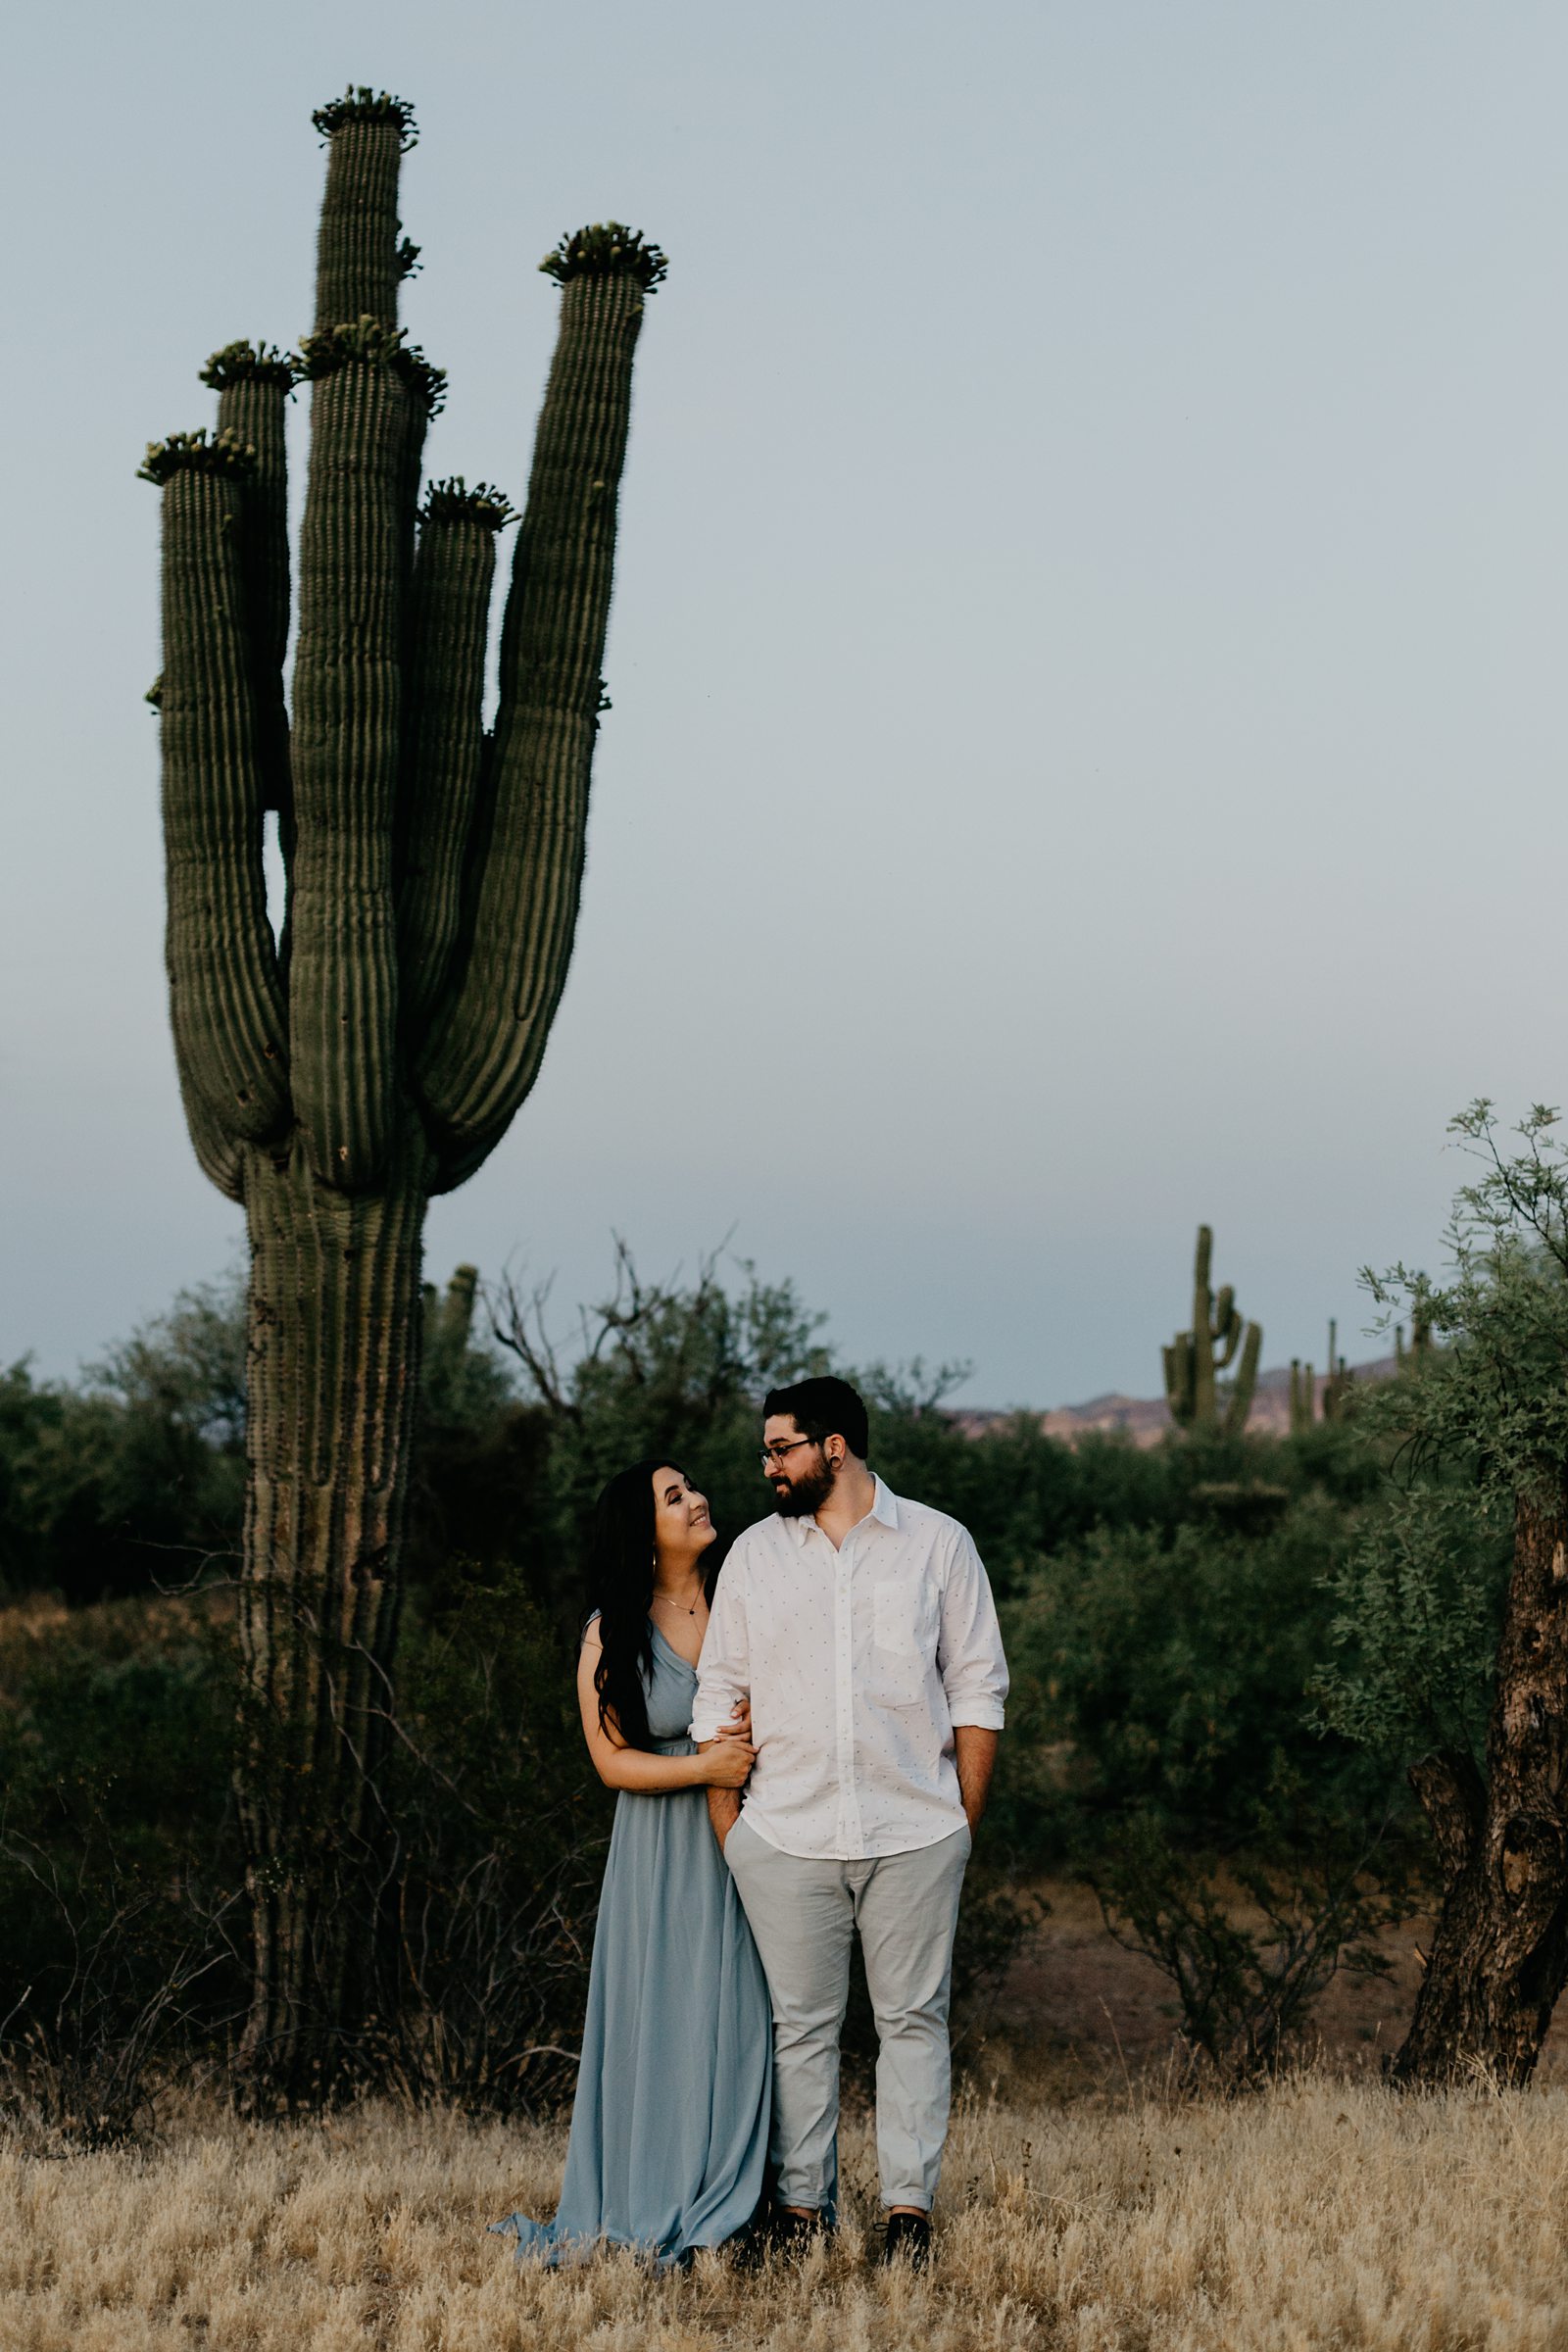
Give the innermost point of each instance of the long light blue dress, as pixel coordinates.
(669, 2130)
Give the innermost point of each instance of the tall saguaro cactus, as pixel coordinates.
(372, 1054)
(1194, 1357)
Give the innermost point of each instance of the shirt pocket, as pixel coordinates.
(898, 1643)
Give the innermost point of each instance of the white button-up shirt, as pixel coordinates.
(857, 1662)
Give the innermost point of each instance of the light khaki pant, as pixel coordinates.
(804, 1914)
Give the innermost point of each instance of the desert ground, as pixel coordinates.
(1093, 2198)
(1322, 2211)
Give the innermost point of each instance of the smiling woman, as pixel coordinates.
(652, 1532)
(669, 2130)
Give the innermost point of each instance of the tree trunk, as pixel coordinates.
(334, 1329)
(1500, 1955)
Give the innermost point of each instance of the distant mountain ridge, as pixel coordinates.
(1146, 1419)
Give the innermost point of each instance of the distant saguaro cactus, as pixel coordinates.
(1195, 1357)
(1415, 1356)
(1338, 1384)
(455, 1310)
(336, 1077)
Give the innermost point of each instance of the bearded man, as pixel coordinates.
(862, 1629)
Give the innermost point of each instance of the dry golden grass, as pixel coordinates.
(1319, 2214)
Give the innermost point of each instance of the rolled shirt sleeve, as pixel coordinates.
(969, 1653)
(724, 1668)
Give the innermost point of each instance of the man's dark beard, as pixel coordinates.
(808, 1494)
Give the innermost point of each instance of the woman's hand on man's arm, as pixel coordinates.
(727, 1760)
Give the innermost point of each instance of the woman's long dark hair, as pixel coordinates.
(621, 1587)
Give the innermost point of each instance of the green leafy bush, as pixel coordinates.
(1249, 1950)
(1478, 1421)
(501, 1833)
(1164, 1670)
(1418, 1601)
(1162, 1741)
(134, 1478)
(119, 1870)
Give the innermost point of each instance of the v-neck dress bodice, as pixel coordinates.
(670, 1702)
(671, 2126)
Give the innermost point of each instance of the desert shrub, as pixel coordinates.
(1446, 1649)
(655, 1368)
(501, 1828)
(1019, 1492)
(1167, 1674)
(124, 1960)
(118, 1868)
(1250, 1949)
(1417, 1606)
(1478, 1424)
(1164, 1744)
(100, 1495)
(135, 1477)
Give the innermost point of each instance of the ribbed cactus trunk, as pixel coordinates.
(372, 1053)
(336, 1323)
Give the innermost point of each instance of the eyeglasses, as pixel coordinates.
(775, 1453)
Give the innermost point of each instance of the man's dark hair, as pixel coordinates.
(824, 1407)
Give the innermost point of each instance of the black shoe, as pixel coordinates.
(795, 2231)
(908, 2235)
(781, 2231)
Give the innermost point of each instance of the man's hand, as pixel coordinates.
(975, 1754)
(723, 1812)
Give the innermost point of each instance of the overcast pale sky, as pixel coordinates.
(1087, 739)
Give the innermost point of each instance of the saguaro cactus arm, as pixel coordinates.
(451, 578)
(371, 400)
(347, 755)
(481, 1059)
(220, 1158)
(1203, 1333)
(1224, 1331)
(359, 264)
(1245, 1386)
(229, 1016)
(253, 382)
(1178, 1365)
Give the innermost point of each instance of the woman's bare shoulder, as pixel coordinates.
(590, 1633)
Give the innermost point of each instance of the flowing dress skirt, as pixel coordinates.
(669, 2130)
